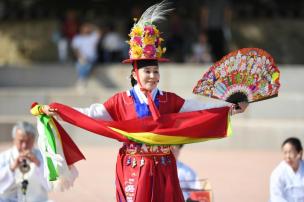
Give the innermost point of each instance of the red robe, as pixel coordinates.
(145, 173)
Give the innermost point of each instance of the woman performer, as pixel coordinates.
(145, 172)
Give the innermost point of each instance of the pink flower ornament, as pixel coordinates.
(149, 51)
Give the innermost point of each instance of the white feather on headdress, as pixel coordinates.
(155, 13)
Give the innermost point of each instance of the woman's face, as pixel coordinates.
(291, 156)
(149, 77)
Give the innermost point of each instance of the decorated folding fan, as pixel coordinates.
(248, 74)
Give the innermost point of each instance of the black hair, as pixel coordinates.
(180, 146)
(295, 142)
(145, 63)
(133, 81)
(141, 64)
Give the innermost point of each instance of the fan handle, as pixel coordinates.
(238, 97)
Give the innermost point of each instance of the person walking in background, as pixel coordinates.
(112, 45)
(68, 28)
(215, 17)
(70, 25)
(176, 43)
(200, 50)
(287, 179)
(21, 168)
(85, 48)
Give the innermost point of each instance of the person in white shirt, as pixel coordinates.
(287, 179)
(21, 168)
(85, 48)
(113, 45)
(188, 179)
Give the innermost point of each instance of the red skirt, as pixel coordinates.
(147, 176)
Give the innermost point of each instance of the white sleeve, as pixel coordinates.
(276, 188)
(198, 184)
(7, 178)
(194, 183)
(96, 37)
(75, 42)
(194, 105)
(39, 172)
(97, 111)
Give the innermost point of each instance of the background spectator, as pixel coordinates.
(113, 45)
(287, 179)
(215, 18)
(63, 36)
(85, 49)
(188, 178)
(19, 163)
(200, 50)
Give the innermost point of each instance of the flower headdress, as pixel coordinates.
(145, 41)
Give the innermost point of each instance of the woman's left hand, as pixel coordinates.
(238, 108)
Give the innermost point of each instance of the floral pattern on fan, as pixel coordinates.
(248, 74)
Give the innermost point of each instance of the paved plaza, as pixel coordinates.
(235, 175)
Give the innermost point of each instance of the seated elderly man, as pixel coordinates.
(21, 168)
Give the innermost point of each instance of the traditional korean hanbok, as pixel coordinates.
(287, 185)
(144, 172)
(147, 122)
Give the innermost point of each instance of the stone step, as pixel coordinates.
(19, 87)
(286, 105)
(173, 76)
(106, 80)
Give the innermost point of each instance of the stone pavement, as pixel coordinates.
(235, 175)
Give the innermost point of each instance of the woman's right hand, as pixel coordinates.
(49, 111)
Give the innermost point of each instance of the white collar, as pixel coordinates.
(142, 97)
(289, 169)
